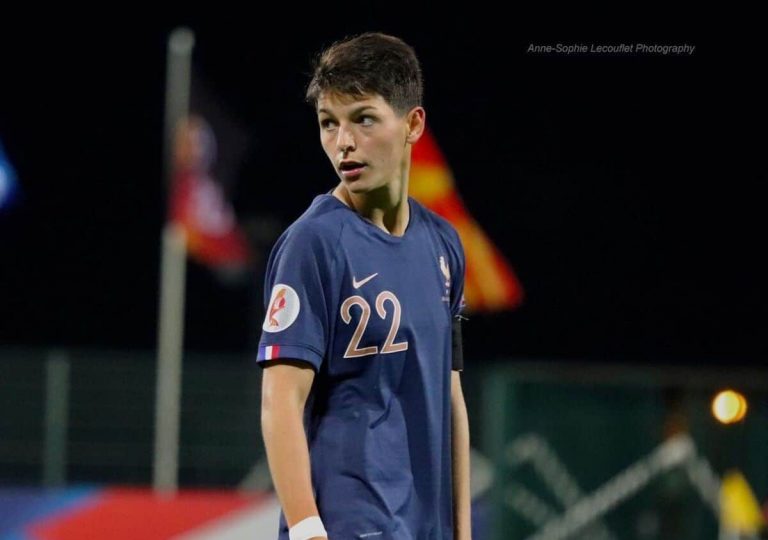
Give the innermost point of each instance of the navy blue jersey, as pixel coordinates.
(372, 314)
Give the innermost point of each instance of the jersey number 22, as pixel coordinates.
(365, 314)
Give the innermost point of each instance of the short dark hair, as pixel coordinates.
(370, 63)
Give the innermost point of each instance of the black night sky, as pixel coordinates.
(622, 188)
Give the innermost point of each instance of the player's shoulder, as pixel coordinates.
(438, 223)
(320, 224)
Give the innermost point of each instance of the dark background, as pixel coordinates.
(623, 189)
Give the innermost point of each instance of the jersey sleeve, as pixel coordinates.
(297, 299)
(457, 283)
(457, 304)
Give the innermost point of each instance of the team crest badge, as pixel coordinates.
(282, 310)
(446, 271)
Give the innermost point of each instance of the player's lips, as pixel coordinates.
(351, 169)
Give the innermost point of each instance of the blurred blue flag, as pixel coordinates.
(8, 183)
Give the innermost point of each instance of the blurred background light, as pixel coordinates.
(729, 407)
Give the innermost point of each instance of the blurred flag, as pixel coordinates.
(198, 200)
(8, 183)
(490, 283)
(740, 512)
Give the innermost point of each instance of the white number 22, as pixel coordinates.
(365, 315)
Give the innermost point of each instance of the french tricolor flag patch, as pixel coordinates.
(269, 352)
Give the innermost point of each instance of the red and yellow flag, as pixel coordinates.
(198, 203)
(490, 283)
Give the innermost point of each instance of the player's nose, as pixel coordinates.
(345, 141)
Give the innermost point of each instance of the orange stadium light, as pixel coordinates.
(729, 406)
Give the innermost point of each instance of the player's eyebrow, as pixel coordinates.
(358, 110)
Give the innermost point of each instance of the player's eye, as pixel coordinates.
(366, 120)
(325, 124)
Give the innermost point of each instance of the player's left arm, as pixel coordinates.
(462, 519)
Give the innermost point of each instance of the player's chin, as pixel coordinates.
(357, 184)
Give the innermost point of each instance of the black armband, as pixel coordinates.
(457, 360)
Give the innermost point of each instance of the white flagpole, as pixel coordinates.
(170, 336)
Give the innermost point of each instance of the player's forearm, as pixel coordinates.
(288, 456)
(461, 470)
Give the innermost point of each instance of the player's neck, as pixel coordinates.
(386, 208)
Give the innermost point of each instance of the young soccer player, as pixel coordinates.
(363, 415)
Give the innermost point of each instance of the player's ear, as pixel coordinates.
(416, 123)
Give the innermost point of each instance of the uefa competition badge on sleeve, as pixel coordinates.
(283, 308)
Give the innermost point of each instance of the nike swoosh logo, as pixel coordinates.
(357, 284)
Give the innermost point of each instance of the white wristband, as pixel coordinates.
(308, 528)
